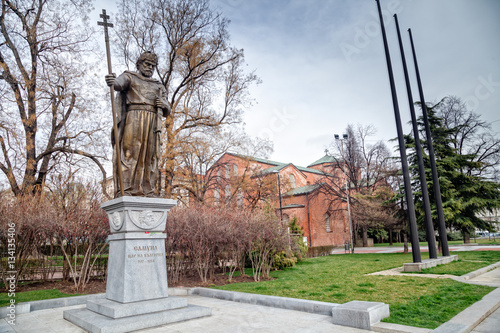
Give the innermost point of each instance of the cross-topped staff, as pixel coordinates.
(106, 24)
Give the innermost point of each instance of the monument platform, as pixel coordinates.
(136, 287)
(112, 317)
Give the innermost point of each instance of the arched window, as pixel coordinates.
(327, 223)
(227, 171)
(227, 192)
(235, 170)
(240, 198)
(292, 181)
(216, 195)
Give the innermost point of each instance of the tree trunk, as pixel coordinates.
(364, 230)
(466, 237)
(390, 236)
(405, 238)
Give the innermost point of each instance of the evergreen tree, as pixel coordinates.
(465, 192)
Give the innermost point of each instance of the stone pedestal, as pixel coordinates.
(136, 288)
(137, 269)
(360, 314)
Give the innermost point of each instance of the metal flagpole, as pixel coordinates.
(106, 24)
(429, 226)
(435, 179)
(402, 150)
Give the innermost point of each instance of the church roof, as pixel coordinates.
(302, 190)
(324, 159)
(277, 165)
(260, 160)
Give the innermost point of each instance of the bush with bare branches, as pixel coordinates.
(31, 218)
(69, 219)
(203, 238)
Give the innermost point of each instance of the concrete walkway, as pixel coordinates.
(400, 249)
(226, 316)
(491, 278)
(492, 323)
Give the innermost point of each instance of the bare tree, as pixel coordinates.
(203, 76)
(81, 228)
(359, 164)
(197, 156)
(46, 107)
(471, 136)
(199, 169)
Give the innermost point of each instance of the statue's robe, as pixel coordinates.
(139, 128)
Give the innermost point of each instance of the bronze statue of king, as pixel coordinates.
(140, 104)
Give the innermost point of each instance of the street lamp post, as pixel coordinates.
(279, 194)
(347, 188)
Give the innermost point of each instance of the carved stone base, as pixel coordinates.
(136, 288)
(137, 270)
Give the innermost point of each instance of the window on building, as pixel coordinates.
(218, 174)
(327, 223)
(235, 170)
(240, 198)
(227, 192)
(292, 181)
(216, 195)
(227, 171)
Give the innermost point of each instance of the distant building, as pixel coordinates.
(252, 181)
(492, 217)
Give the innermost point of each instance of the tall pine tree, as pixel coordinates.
(465, 193)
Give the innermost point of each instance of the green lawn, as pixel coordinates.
(414, 301)
(34, 295)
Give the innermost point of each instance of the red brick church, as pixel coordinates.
(253, 182)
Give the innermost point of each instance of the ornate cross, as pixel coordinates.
(106, 24)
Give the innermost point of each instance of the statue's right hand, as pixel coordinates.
(110, 79)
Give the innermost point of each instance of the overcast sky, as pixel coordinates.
(322, 64)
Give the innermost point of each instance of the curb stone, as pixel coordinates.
(26, 307)
(480, 271)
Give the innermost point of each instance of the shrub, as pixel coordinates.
(202, 238)
(67, 221)
(284, 260)
(297, 245)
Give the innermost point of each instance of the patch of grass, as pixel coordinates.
(432, 310)
(248, 271)
(414, 301)
(34, 295)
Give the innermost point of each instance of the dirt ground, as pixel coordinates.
(96, 286)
